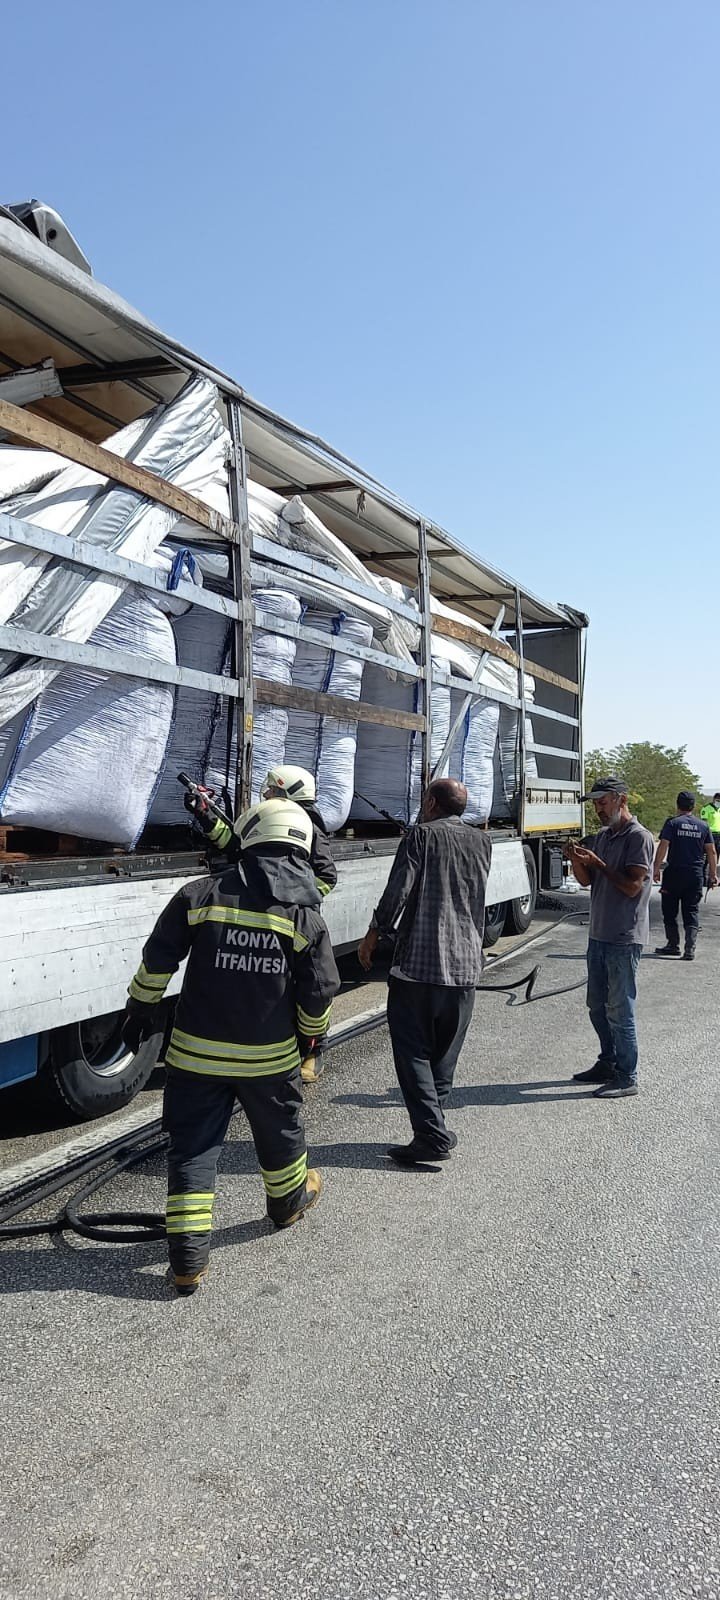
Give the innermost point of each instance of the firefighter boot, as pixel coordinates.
(313, 1190)
(689, 951)
(186, 1283)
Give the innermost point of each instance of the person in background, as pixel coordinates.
(711, 815)
(281, 783)
(435, 898)
(687, 843)
(618, 872)
(255, 1000)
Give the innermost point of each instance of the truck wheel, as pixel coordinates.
(521, 912)
(494, 923)
(90, 1070)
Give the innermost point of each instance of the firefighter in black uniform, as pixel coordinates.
(281, 783)
(255, 1000)
(688, 844)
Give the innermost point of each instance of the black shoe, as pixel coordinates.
(601, 1072)
(689, 954)
(667, 949)
(417, 1154)
(614, 1090)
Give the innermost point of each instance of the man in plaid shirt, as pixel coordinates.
(435, 899)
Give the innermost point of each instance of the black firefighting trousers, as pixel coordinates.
(196, 1112)
(681, 891)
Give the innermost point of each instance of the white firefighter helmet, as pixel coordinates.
(275, 822)
(289, 783)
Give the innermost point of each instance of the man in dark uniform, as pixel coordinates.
(687, 844)
(255, 1000)
(282, 783)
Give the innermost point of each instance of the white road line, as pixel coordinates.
(84, 1145)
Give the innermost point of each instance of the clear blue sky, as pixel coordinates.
(475, 245)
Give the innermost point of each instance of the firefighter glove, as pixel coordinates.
(137, 1026)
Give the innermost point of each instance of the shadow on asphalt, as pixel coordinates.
(477, 1094)
(119, 1272)
(241, 1158)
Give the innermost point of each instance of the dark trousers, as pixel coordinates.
(196, 1113)
(681, 891)
(428, 1023)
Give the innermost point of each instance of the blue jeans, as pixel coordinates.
(611, 993)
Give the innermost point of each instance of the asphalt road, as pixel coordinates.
(30, 1126)
(497, 1379)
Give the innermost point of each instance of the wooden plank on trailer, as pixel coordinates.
(293, 698)
(497, 647)
(49, 436)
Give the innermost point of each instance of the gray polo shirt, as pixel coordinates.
(614, 917)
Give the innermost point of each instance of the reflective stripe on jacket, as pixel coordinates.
(259, 982)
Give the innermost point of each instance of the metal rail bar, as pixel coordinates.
(242, 589)
(22, 641)
(552, 750)
(324, 641)
(314, 568)
(72, 344)
(522, 735)
(425, 651)
(98, 559)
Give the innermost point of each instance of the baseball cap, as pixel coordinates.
(686, 799)
(603, 786)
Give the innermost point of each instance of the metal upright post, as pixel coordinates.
(581, 662)
(425, 649)
(522, 751)
(242, 592)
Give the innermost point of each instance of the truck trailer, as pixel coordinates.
(78, 365)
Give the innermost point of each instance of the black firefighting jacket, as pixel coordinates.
(224, 840)
(261, 974)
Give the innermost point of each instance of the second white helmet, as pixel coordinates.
(275, 822)
(291, 783)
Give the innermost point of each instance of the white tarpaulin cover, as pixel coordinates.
(471, 756)
(92, 747)
(326, 746)
(273, 657)
(507, 758)
(202, 640)
(184, 442)
(23, 469)
(388, 767)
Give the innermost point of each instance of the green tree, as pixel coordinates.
(655, 774)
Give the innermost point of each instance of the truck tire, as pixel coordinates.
(521, 912)
(494, 924)
(90, 1071)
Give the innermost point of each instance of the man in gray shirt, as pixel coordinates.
(619, 874)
